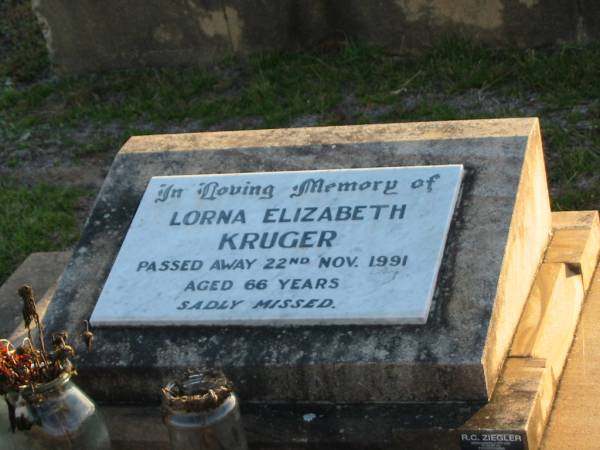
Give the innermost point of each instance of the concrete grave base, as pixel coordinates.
(498, 236)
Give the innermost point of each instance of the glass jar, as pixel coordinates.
(215, 429)
(202, 412)
(57, 415)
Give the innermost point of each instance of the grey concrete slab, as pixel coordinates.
(497, 239)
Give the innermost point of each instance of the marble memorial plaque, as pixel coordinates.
(357, 246)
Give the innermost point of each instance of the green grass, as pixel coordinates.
(278, 87)
(35, 218)
(575, 170)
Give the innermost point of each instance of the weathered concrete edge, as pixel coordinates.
(527, 387)
(334, 135)
(40, 270)
(519, 405)
(529, 235)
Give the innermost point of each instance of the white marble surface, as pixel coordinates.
(359, 246)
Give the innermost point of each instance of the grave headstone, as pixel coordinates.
(438, 324)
